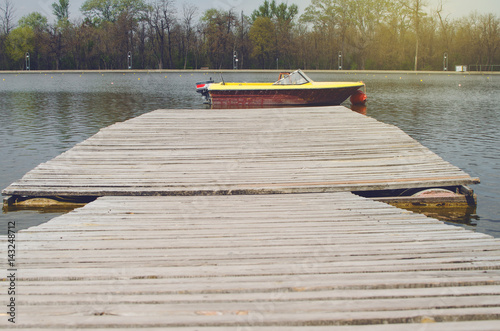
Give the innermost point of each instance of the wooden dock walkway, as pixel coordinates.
(287, 150)
(328, 261)
(186, 234)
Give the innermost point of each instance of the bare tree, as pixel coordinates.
(189, 11)
(7, 17)
(162, 20)
(489, 31)
(416, 8)
(444, 23)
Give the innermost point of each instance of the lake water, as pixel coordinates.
(43, 115)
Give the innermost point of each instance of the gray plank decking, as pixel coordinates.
(311, 260)
(289, 150)
(242, 262)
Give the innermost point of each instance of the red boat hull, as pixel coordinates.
(281, 97)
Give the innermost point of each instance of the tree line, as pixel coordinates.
(329, 34)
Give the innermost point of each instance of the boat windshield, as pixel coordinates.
(295, 78)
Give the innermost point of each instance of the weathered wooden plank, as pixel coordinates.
(215, 256)
(146, 306)
(92, 316)
(266, 288)
(334, 271)
(252, 188)
(88, 292)
(429, 325)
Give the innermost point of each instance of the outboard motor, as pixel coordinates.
(202, 87)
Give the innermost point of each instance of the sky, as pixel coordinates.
(453, 8)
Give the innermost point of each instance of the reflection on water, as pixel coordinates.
(42, 209)
(456, 215)
(359, 109)
(456, 116)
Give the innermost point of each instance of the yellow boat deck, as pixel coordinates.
(273, 86)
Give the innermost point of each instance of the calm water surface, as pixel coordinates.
(43, 115)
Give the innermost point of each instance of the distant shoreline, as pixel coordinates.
(152, 71)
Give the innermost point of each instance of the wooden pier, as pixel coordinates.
(188, 231)
(248, 151)
(245, 262)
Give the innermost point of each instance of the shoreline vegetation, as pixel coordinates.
(153, 71)
(327, 34)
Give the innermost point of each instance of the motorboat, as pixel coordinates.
(291, 89)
